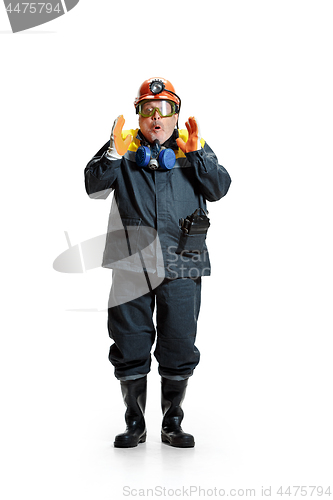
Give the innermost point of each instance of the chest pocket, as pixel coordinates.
(183, 184)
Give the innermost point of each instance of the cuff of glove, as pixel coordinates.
(112, 154)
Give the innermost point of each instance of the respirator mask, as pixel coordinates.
(155, 156)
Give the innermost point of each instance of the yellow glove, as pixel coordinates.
(193, 142)
(118, 146)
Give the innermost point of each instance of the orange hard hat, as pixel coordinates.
(157, 88)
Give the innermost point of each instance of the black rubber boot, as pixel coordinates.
(135, 394)
(173, 393)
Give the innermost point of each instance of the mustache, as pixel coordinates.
(156, 124)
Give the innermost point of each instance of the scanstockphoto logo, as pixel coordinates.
(25, 15)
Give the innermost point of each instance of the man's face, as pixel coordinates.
(157, 127)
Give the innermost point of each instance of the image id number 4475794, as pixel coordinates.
(311, 491)
(33, 8)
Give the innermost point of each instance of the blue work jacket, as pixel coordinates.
(149, 203)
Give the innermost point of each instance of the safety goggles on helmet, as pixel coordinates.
(164, 107)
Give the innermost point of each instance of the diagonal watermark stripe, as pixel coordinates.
(25, 15)
(135, 248)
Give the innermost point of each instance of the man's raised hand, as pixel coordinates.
(116, 140)
(193, 142)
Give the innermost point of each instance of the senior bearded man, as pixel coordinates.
(160, 175)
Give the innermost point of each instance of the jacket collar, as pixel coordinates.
(169, 143)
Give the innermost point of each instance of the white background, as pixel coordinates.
(258, 77)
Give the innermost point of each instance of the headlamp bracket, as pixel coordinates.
(156, 86)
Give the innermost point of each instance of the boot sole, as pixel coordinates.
(185, 444)
(129, 444)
